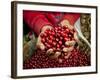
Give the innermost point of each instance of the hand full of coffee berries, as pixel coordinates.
(56, 38)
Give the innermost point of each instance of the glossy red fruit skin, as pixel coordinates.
(58, 46)
(50, 32)
(58, 49)
(61, 38)
(45, 43)
(58, 34)
(54, 49)
(57, 39)
(60, 42)
(49, 46)
(42, 35)
(64, 27)
(54, 43)
(67, 30)
(53, 33)
(50, 41)
(64, 34)
(43, 40)
(45, 35)
(51, 37)
(55, 28)
(66, 39)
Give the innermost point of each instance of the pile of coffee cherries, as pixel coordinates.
(55, 38)
(40, 60)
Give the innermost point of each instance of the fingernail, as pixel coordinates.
(71, 27)
(42, 47)
(57, 54)
(69, 43)
(65, 49)
(49, 51)
(66, 43)
(70, 48)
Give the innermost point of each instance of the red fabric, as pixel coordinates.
(71, 17)
(36, 20)
(54, 18)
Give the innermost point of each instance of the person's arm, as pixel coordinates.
(35, 20)
(71, 17)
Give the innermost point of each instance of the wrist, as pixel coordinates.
(66, 23)
(46, 27)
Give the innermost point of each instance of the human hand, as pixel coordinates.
(39, 44)
(71, 44)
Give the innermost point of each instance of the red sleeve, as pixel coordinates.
(71, 17)
(35, 20)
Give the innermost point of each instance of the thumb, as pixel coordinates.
(76, 36)
(68, 49)
(40, 44)
(56, 55)
(70, 43)
(66, 24)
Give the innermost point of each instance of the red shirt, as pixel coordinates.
(37, 19)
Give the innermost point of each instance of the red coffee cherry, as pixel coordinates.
(43, 40)
(54, 43)
(45, 35)
(50, 41)
(60, 42)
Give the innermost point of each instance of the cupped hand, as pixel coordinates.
(39, 44)
(71, 44)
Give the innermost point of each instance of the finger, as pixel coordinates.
(68, 49)
(40, 44)
(68, 55)
(26, 51)
(64, 23)
(56, 55)
(76, 36)
(70, 43)
(49, 51)
(70, 27)
(45, 28)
